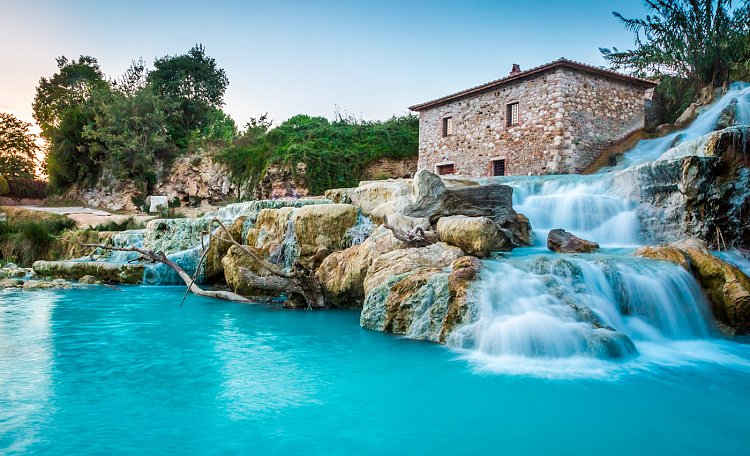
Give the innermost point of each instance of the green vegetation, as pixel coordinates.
(129, 223)
(122, 127)
(4, 187)
(26, 188)
(688, 45)
(335, 152)
(18, 147)
(26, 236)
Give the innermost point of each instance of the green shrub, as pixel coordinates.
(25, 241)
(4, 188)
(335, 153)
(27, 188)
(128, 224)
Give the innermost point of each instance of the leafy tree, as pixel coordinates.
(129, 133)
(18, 147)
(71, 156)
(71, 86)
(195, 84)
(696, 40)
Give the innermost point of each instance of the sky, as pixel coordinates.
(367, 59)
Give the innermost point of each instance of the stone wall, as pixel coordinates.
(566, 118)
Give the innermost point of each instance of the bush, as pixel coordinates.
(27, 188)
(4, 188)
(128, 224)
(335, 153)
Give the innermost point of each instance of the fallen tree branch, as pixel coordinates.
(160, 257)
(300, 282)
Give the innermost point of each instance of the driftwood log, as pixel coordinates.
(300, 284)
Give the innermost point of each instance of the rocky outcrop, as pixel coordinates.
(434, 200)
(561, 241)
(175, 235)
(107, 193)
(283, 181)
(426, 303)
(476, 236)
(124, 273)
(696, 191)
(342, 274)
(232, 263)
(390, 168)
(726, 286)
(195, 179)
(322, 228)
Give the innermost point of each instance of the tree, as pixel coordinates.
(18, 148)
(71, 157)
(71, 86)
(195, 84)
(129, 132)
(696, 40)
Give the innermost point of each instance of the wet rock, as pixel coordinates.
(561, 241)
(342, 274)
(233, 261)
(10, 283)
(267, 235)
(726, 286)
(89, 280)
(46, 284)
(125, 273)
(426, 303)
(476, 236)
(727, 116)
(10, 266)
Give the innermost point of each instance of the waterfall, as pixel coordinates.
(541, 313)
(360, 231)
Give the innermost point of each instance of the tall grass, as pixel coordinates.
(25, 241)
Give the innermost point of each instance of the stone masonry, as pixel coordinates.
(568, 114)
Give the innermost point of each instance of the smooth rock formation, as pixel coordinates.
(89, 280)
(727, 287)
(124, 273)
(232, 262)
(561, 241)
(402, 261)
(322, 228)
(476, 236)
(342, 274)
(68, 245)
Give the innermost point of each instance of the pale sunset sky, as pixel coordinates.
(369, 59)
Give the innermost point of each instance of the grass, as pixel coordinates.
(27, 236)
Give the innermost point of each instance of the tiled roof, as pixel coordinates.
(563, 62)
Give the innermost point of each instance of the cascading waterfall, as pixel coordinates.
(543, 313)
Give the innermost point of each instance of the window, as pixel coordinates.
(447, 126)
(449, 168)
(512, 114)
(498, 167)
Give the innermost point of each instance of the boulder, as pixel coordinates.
(157, 204)
(401, 261)
(561, 241)
(125, 273)
(342, 274)
(726, 286)
(320, 228)
(434, 200)
(267, 234)
(426, 303)
(88, 280)
(727, 116)
(476, 236)
(10, 283)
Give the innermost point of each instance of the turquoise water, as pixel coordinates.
(102, 371)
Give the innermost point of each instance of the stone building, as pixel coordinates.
(556, 118)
